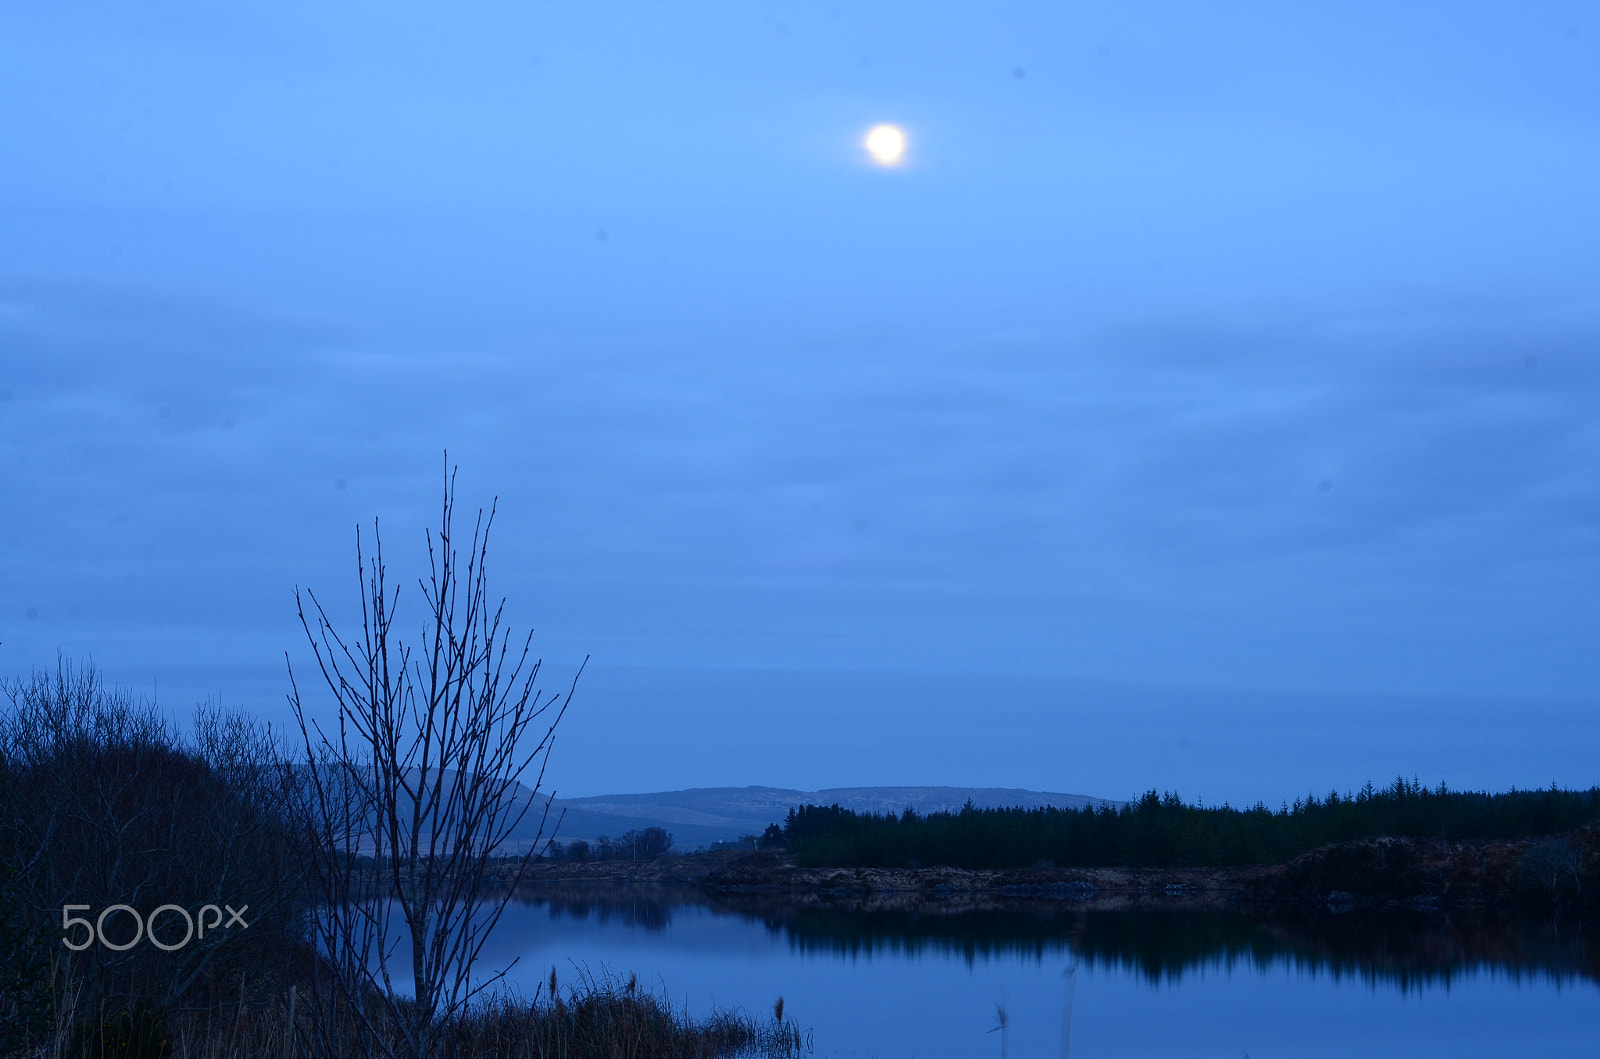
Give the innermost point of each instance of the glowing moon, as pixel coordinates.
(886, 144)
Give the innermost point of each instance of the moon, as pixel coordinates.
(886, 144)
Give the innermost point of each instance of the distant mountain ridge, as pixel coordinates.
(699, 816)
(702, 815)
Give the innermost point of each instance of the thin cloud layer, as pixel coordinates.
(1282, 493)
(1226, 349)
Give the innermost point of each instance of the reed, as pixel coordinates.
(597, 1017)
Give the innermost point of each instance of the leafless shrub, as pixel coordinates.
(412, 787)
(1553, 864)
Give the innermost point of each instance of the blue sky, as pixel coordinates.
(1192, 359)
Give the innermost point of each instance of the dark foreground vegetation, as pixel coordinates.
(102, 802)
(325, 896)
(1163, 831)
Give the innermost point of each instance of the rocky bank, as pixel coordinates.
(1420, 874)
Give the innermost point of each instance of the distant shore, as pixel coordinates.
(1381, 873)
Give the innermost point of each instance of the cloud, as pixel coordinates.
(1358, 481)
(1188, 361)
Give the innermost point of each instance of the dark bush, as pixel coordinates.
(26, 1011)
(647, 844)
(109, 806)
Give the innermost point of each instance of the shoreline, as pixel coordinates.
(1422, 875)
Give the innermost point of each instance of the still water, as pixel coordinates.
(1084, 982)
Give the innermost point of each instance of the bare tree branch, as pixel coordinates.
(417, 786)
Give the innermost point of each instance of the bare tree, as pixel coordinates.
(414, 786)
(648, 844)
(1550, 862)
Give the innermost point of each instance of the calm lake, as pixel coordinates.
(1077, 981)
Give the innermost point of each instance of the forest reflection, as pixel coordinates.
(1398, 950)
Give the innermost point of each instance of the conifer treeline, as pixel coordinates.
(1165, 831)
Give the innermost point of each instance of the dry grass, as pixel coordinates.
(597, 1018)
(603, 1017)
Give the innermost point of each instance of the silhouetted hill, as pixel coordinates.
(702, 815)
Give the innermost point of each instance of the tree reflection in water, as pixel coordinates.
(643, 910)
(1404, 950)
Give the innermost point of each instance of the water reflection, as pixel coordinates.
(624, 908)
(1399, 951)
(1071, 975)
